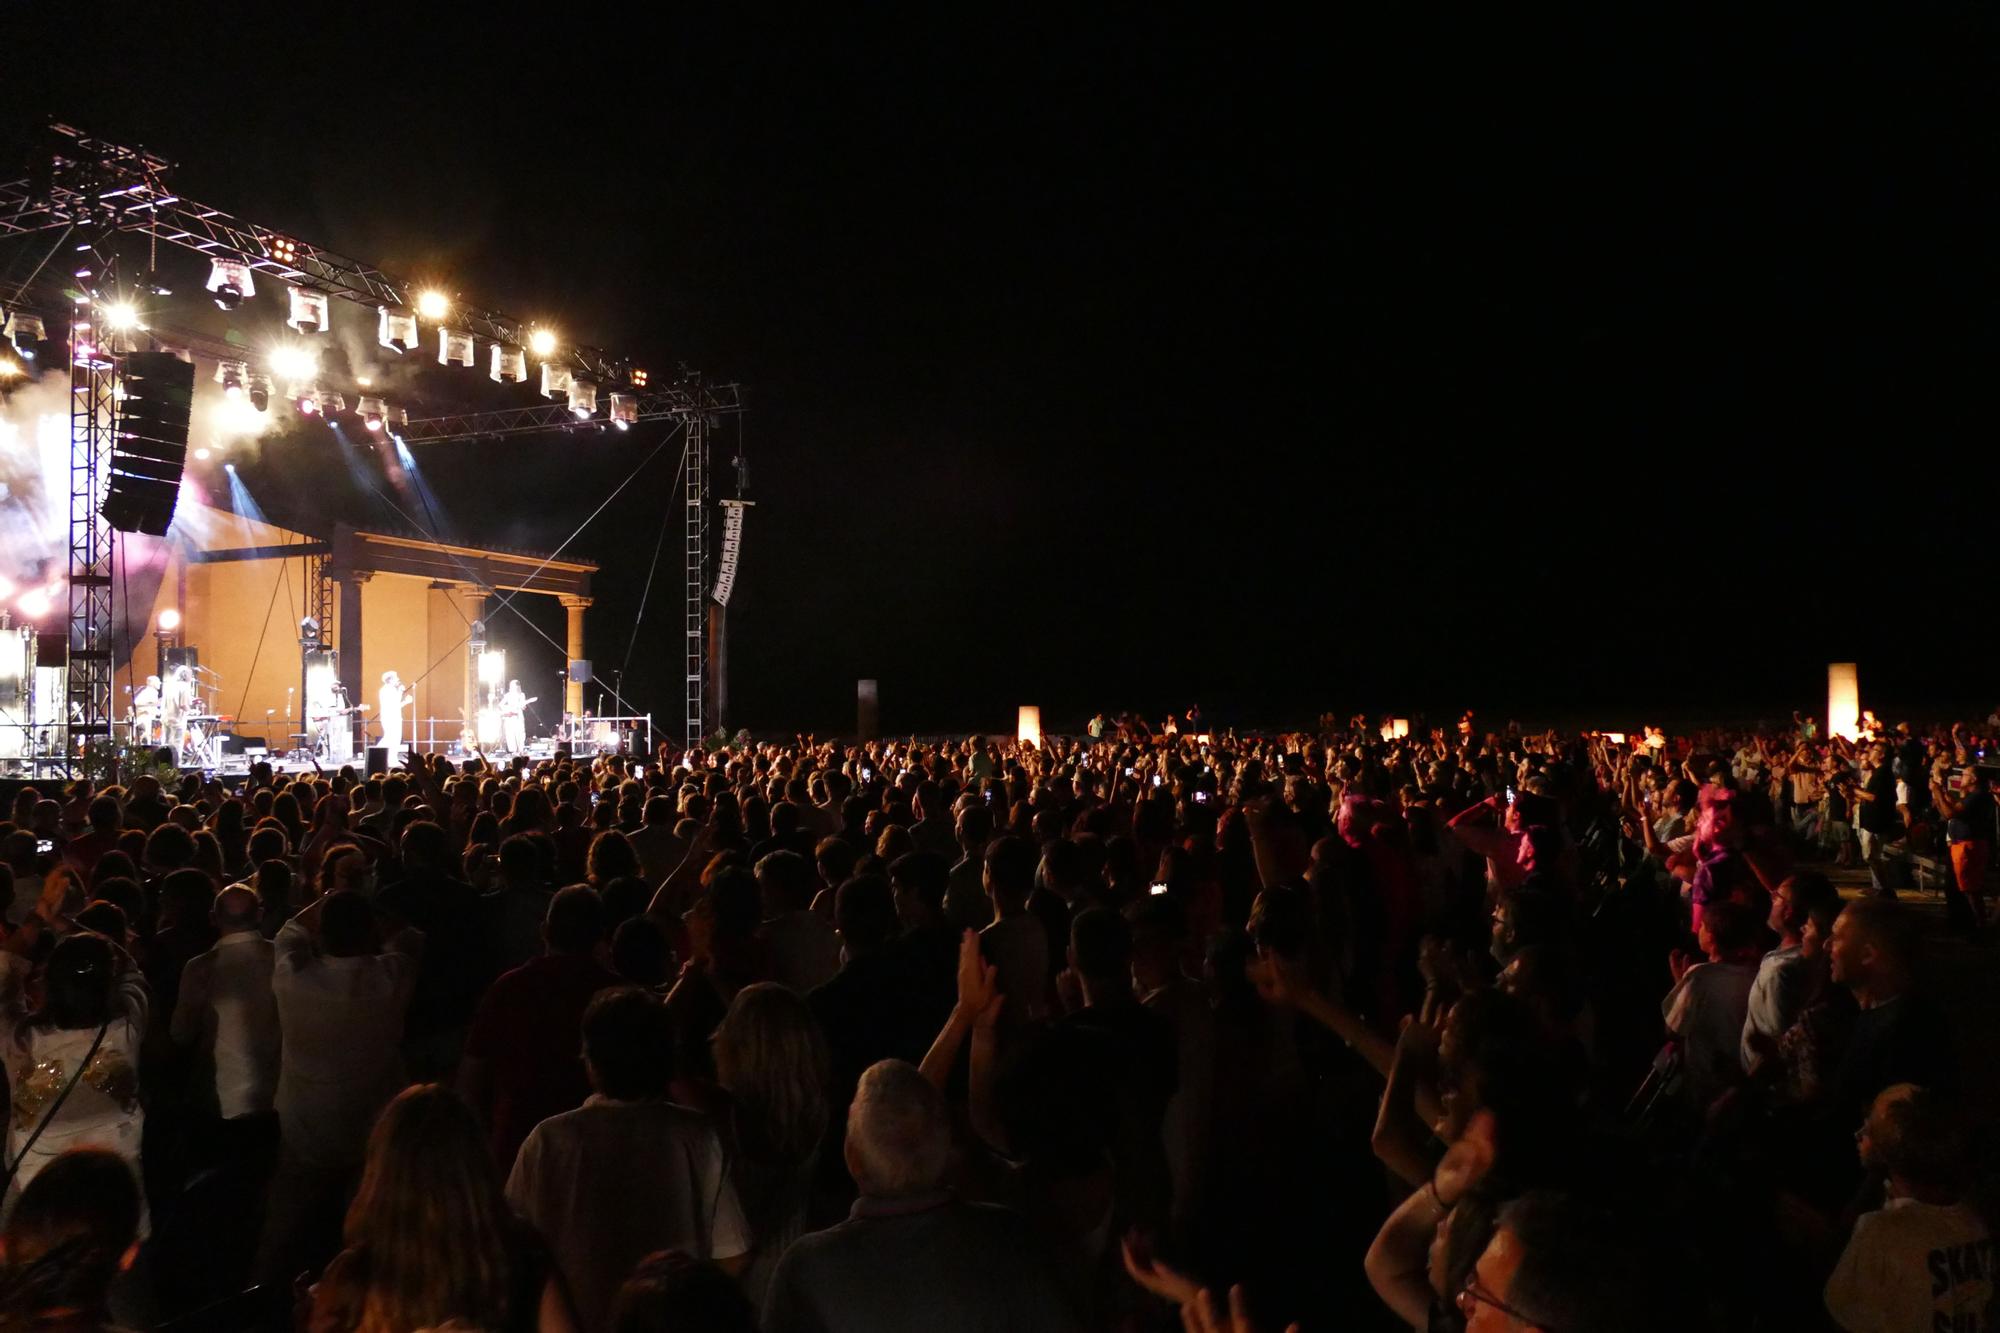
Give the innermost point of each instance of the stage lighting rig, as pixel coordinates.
(230, 281)
(582, 398)
(260, 392)
(233, 376)
(307, 401)
(542, 342)
(122, 317)
(510, 364)
(433, 305)
(398, 332)
(639, 378)
(27, 333)
(282, 250)
(455, 348)
(624, 410)
(555, 380)
(309, 311)
(372, 413)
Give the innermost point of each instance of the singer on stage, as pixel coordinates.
(393, 699)
(513, 718)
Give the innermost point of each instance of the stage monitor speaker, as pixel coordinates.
(176, 657)
(378, 760)
(579, 671)
(149, 444)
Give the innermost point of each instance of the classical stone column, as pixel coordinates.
(349, 641)
(573, 691)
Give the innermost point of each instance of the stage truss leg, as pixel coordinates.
(695, 621)
(92, 426)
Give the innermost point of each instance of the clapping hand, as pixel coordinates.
(979, 997)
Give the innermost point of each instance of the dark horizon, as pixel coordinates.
(1554, 369)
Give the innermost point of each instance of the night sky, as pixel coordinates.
(1570, 368)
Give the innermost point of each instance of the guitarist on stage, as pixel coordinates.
(513, 718)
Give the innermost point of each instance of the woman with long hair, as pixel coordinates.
(232, 835)
(771, 1061)
(429, 1237)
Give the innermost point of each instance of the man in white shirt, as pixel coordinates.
(341, 1001)
(227, 1009)
(1925, 1259)
(227, 1006)
(628, 1172)
(1783, 976)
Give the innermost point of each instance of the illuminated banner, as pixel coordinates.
(732, 542)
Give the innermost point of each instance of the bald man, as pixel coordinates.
(226, 1007)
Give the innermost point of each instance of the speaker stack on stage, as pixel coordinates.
(149, 449)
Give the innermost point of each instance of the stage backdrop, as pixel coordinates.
(240, 586)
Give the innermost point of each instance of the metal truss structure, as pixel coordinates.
(93, 378)
(102, 189)
(83, 180)
(695, 620)
(687, 397)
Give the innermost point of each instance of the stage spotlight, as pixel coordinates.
(624, 410)
(510, 364)
(454, 348)
(34, 604)
(309, 633)
(542, 342)
(230, 280)
(582, 398)
(10, 369)
(309, 311)
(233, 376)
(555, 380)
(372, 412)
(433, 305)
(294, 362)
(639, 378)
(307, 401)
(27, 334)
(121, 317)
(280, 249)
(260, 392)
(202, 456)
(333, 404)
(397, 332)
(170, 620)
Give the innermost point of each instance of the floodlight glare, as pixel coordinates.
(542, 342)
(433, 305)
(293, 362)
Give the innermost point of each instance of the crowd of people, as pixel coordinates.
(1368, 1027)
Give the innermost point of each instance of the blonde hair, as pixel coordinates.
(771, 1056)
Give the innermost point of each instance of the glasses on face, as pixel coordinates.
(1473, 1295)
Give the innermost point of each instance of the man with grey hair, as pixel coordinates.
(911, 1256)
(228, 1011)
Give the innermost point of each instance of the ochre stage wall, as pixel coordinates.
(410, 625)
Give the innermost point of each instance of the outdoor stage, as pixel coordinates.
(214, 599)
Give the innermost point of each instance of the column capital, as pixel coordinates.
(572, 602)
